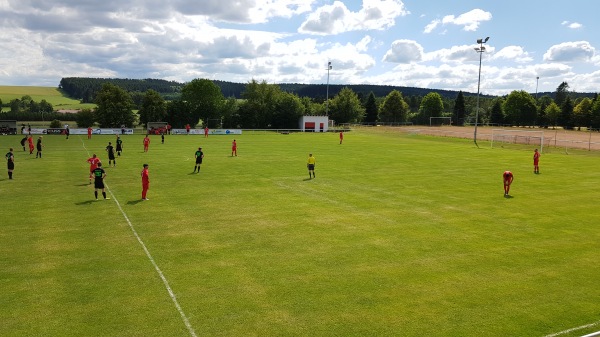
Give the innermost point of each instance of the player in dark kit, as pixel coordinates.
(40, 146)
(23, 141)
(99, 176)
(119, 146)
(10, 162)
(111, 154)
(199, 155)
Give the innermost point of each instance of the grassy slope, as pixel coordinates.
(50, 94)
(397, 235)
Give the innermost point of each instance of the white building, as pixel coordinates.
(314, 123)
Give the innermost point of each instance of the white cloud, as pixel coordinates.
(432, 26)
(457, 54)
(572, 25)
(337, 18)
(470, 20)
(571, 52)
(404, 51)
(514, 53)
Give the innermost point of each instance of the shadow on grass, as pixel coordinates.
(508, 196)
(134, 202)
(88, 202)
(307, 179)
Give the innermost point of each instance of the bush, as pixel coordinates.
(85, 118)
(55, 124)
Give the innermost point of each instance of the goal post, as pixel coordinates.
(439, 121)
(508, 138)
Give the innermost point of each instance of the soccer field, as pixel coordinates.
(398, 235)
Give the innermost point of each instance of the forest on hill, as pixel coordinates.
(85, 88)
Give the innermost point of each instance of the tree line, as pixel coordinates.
(26, 109)
(264, 106)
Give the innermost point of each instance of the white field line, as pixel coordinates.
(575, 329)
(160, 273)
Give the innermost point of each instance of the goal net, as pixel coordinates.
(438, 121)
(517, 138)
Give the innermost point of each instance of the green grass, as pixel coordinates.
(51, 94)
(397, 235)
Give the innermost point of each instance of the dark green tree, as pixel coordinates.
(595, 114)
(561, 93)
(431, 106)
(230, 113)
(552, 112)
(15, 105)
(565, 119)
(258, 109)
(520, 109)
(205, 99)
(460, 109)
(114, 107)
(85, 118)
(153, 108)
(543, 103)
(46, 107)
(582, 113)
(371, 111)
(393, 109)
(497, 115)
(179, 114)
(345, 107)
(288, 110)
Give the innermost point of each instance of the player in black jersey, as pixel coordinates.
(99, 176)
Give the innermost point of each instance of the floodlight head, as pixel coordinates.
(486, 39)
(479, 41)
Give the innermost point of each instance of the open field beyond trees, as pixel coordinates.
(399, 235)
(51, 94)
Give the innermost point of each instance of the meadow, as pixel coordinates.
(398, 235)
(51, 94)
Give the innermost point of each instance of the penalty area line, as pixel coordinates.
(594, 334)
(184, 317)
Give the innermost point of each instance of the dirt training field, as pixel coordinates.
(558, 138)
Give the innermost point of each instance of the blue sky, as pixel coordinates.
(427, 44)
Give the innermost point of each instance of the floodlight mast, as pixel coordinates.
(480, 50)
(327, 95)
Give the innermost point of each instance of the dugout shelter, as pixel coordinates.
(314, 123)
(8, 127)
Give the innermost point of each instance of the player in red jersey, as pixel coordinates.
(89, 130)
(145, 182)
(187, 129)
(93, 165)
(31, 146)
(206, 132)
(234, 148)
(341, 137)
(146, 143)
(536, 161)
(508, 177)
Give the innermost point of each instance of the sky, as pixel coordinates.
(534, 45)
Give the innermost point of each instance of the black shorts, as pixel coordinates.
(119, 148)
(111, 156)
(198, 160)
(311, 167)
(11, 165)
(98, 183)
